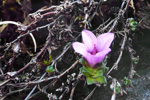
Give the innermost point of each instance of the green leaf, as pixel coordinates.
(84, 63)
(84, 69)
(47, 62)
(101, 79)
(85, 73)
(98, 74)
(90, 80)
(118, 89)
(133, 28)
(135, 59)
(92, 75)
(77, 18)
(104, 68)
(132, 24)
(126, 81)
(50, 69)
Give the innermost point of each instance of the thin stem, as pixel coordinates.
(115, 66)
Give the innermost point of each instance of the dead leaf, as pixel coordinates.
(132, 5)
(11, 73)
(3, 27)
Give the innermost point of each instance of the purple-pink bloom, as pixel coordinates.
(94, 49)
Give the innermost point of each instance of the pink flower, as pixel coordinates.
(94, 49)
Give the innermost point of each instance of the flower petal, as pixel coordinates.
(104, 41)
(94, 59)
(80, 48)
(101, 55)
(89, 39)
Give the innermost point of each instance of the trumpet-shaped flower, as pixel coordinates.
(94, 49)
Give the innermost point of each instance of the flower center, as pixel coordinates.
(94, 50)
